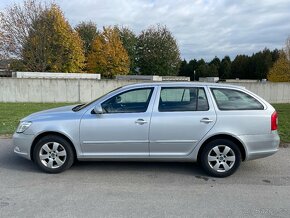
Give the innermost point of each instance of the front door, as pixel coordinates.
(123, 129)
(180, 119)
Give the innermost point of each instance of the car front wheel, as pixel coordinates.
(53, 154)
(220, 158)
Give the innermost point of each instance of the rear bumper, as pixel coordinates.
(22, 144)
(259, 146)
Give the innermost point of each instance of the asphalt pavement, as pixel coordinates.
(260, 188)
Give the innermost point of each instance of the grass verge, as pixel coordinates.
(284, 121)
(11, 113)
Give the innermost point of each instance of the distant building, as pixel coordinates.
(153, 78)
(237, 80)
(209, 79)
(4, 68)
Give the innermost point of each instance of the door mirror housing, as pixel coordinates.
(98, 109)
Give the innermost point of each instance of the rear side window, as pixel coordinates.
(182, 99)
(229, 99)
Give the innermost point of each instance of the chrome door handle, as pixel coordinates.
(140, 121)
(206, 120)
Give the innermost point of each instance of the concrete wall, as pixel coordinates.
(271, 92)
(73, 90)
(55, 90)
(46, 75)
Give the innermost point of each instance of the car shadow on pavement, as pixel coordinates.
(13, 162)
(184, 168)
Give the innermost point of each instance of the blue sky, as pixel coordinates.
(202, 28)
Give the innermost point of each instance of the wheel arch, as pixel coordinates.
(224, 136)
(41, 135)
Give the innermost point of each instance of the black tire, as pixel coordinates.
(64, 149)
(225, 164)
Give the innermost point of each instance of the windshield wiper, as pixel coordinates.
(76, 108)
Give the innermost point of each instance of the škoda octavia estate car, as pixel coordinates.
(215, 124)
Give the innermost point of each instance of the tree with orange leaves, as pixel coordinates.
(108, 56)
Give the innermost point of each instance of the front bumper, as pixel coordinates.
(22, 144)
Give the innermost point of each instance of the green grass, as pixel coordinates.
(11, 113)
(283, 121)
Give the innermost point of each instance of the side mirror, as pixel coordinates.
(98, 109)
(118, 99)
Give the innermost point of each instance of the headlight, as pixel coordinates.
(23, 126)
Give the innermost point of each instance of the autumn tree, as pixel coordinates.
(129, 41)
(52, 45)
(287, 48)
(158, 52)
(108, 56)
(15, 24)
(280, 72)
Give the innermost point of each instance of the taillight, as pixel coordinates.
(274, 121)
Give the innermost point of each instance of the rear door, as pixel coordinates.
(181, 117)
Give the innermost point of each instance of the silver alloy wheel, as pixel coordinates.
(221, 158)
(52, 155)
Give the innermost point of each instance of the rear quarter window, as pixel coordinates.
(230, 99)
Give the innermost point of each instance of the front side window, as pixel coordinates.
(132, 101)
(182, 99)
(229, 99)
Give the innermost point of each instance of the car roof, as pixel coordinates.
(183, 84)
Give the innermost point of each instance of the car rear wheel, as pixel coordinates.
(53, 154)
(220, 158)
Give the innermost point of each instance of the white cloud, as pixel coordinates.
(203, 28)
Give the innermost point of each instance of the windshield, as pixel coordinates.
(82, 106)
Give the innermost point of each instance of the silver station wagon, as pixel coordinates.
(217, 125)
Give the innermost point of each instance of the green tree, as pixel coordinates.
(213, 70)
(240, 67)
(192, 64)
(260, 64)
(88, 33)
(158, 52)
(189, 69)
(108, 56)
(129, 41)
(256, 66)
(216, 61)
(184, 69)
(214, 67)
(201, 69)
(225, 68)
(275, 55)
(52, 45)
